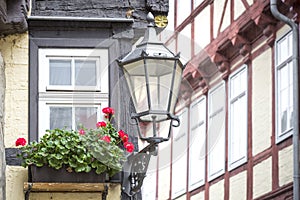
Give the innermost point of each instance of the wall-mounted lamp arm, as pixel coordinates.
(135, 169)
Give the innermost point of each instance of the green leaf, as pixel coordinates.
(58, 156)
(88, 169)
(100, 169)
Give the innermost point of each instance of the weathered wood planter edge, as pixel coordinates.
(48, 174)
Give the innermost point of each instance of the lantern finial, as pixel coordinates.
(150, 19)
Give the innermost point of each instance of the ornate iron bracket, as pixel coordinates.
(135, 169)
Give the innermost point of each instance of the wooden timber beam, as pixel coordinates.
(65, 187)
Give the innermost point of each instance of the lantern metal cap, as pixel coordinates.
(150, 46)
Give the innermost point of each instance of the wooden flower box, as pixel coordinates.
(46, 174)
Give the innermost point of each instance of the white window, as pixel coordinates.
(73, 87)
(216, 132)
(284, 87)
(179, 156)
(197, 144)
(237, 120)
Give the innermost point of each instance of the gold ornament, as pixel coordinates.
(161, 21)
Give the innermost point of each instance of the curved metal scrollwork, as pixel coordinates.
(135, 169)
(138, 171)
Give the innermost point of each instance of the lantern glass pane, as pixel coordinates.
(160, 81)
(176, 86)
(135, 77)
(162, 129)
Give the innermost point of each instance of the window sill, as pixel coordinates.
(66, 187)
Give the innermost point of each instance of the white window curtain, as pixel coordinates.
(237, 131)
(197, 143)
(179, 156)
(216, 132)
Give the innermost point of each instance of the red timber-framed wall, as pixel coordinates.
(237, 33)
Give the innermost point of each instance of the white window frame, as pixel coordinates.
(234, 141)
(216, 147)
(280, 64)
(179, 162)
(197, 144)
(65, 96)
(99, 55)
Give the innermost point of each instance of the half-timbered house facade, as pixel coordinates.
(236, 105)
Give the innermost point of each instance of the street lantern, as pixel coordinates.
(153, 74)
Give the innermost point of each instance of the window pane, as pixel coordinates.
(284, 87)
(282, 50)
(60, 72)
(86, 116)
(60, 117)
(179, 156)
(285, 97)
(85, 72)
(237, 131)
(216, 145)
(197, 145)
(216, 132)
(217, 100)
(283, 80)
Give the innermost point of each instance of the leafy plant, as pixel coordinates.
(80, 151)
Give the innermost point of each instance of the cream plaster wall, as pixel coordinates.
(285, 165)
(216, 191)
(202, 30)
(15, 178)
(218, 11)
(238, 186)
(281, 32)
(199, 196)
(250, 2)
(182, 198)
(185, 44)
(239, 8)
(14, 49)
(262, 178)
(262, 102)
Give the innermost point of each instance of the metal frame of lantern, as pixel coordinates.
(153, 63)
(155, 113)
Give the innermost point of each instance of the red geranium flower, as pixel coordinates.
(124, 137)
(108, 110)
(100, 124)
(106, 138)
(129, 146)
(81, 132)
(20, 141)
(121, 133)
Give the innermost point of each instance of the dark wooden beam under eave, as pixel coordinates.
(13, 15)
